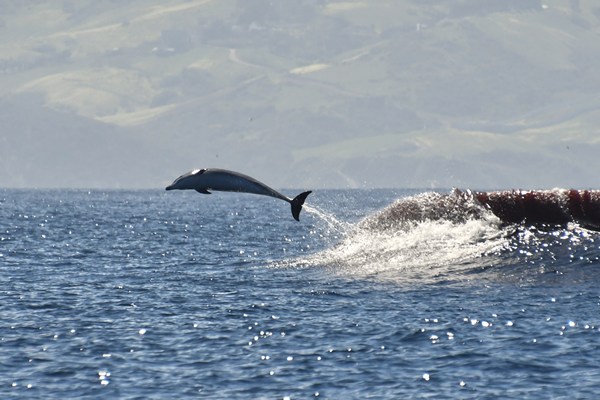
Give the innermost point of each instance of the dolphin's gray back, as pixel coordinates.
(231, 181)
(204, 180)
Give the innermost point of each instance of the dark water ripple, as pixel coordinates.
(151, 295)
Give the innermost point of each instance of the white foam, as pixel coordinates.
(423, 250)
(427, 250)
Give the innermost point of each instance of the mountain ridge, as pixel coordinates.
(315, 94)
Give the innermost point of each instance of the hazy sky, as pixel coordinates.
(300, 94)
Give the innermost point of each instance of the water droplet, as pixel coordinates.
(426, 376)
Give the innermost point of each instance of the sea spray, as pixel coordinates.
(333, 224)
(434, 235)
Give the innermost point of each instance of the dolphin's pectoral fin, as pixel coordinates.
(203, 191)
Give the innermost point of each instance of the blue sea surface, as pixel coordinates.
(153, 294)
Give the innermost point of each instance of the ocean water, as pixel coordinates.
(158, 295)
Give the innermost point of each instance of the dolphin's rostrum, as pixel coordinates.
(203, 180)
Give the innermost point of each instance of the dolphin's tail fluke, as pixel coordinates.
(297, 204)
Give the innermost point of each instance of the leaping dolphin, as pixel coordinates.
(203, 180)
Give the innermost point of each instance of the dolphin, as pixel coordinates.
(203, 180)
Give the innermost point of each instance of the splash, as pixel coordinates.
(424, 236)
(429, 250)
(333, 224)
(458, 207)
(435, 236)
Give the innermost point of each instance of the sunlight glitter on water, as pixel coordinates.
(330, 329)
(103, 376)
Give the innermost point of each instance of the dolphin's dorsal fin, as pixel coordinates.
(203, 191)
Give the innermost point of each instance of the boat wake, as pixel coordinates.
(463, 235)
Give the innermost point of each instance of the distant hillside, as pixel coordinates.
(417, 93)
